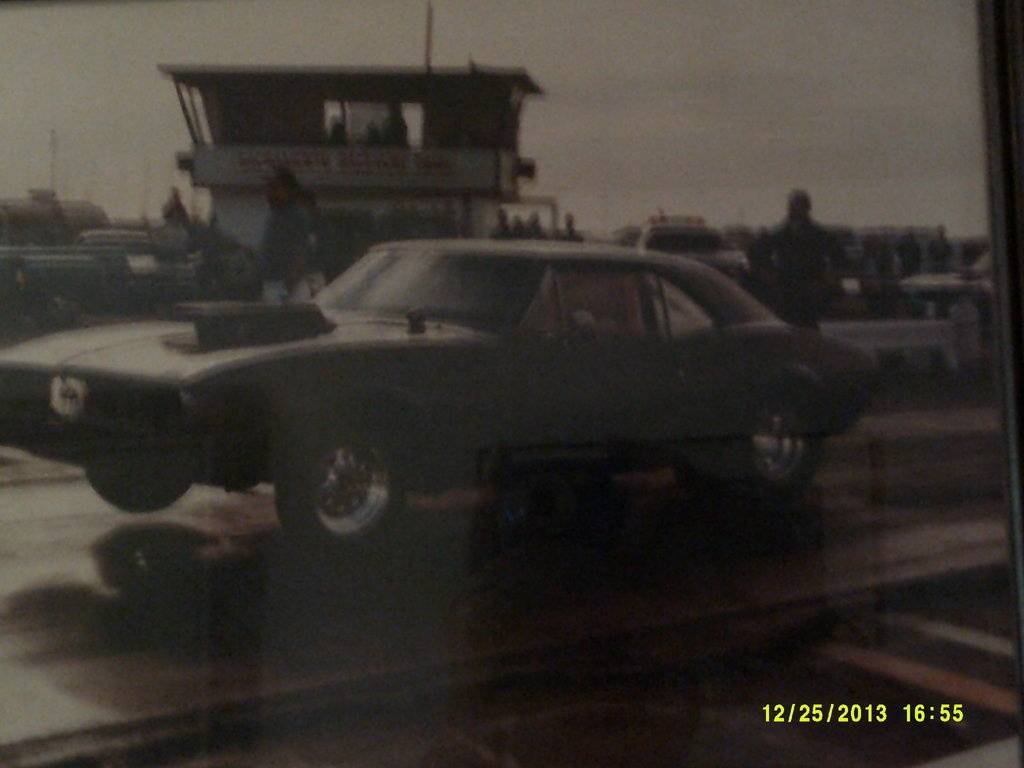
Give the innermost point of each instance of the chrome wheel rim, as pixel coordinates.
(353, 492)
(779, 448)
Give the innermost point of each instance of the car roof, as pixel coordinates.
(545, 250)
(741, 304)
(678, 226)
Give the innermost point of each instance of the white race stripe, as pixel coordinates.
(998, 754)
(971, 638)
(952, 686)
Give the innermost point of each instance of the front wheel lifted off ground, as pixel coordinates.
(140, 481)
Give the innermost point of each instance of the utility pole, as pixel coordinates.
(430, 35)
(145, 191)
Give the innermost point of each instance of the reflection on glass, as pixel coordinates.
(628, 403)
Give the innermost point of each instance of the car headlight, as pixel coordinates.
(67, 396)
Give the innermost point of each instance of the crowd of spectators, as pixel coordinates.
(531, 229)
(392, 132)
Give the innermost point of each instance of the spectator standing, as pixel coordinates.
(501, 230)
(396, 131)
(909, 251)
(797, 258)
(518, 228)
(177, 232)
(339, 133)
(570, 229)
(534, 231)
(940, 252)
(284, 247)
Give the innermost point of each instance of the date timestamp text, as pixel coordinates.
(862, 713)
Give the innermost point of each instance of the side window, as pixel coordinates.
(684, 314)
(604, 303)
(657, 315)
(543, 315)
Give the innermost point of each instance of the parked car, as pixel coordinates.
(690, 236)
(433, 364)
(28, 309)
(160, 269)
(92, 277)
(108, 271)
(944, 289)
(43, 220)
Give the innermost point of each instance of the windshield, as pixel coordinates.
(690, 241)
(482, 292)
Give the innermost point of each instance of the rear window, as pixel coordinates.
(725, 301)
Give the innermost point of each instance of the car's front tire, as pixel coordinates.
(783, 452)
(341, 490)
(140, 481)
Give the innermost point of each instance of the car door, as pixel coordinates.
(588, 356)
(701, 373)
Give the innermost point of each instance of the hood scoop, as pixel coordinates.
(222, 324)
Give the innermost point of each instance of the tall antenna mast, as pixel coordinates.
(53, 160)
(145, 191)
(430, 35)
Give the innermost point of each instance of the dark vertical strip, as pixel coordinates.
(195, 115)
(185, 112)
(1000, 33)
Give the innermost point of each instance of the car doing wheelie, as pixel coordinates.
(535, 367)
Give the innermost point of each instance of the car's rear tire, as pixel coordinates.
(784, 454)
(143, 481)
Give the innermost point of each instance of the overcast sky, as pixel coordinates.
(712, 107)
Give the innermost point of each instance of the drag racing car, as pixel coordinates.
(436, 364)
(937, 293)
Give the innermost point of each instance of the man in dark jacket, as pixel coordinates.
(284, 247)
(796, 259)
